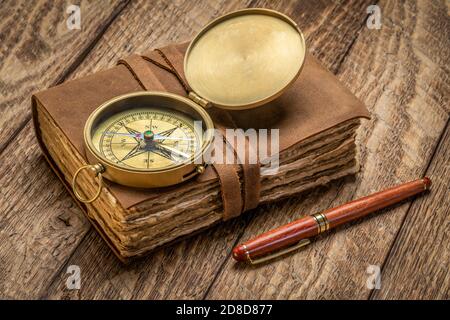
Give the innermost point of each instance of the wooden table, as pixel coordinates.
(400, 71)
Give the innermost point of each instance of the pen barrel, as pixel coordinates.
(309, 226)
(275, 239)
(366, 205)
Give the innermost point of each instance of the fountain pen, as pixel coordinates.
(297, 234)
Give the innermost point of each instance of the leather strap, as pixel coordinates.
(141, 71)
(251, 173)
(252, 178)
(230, 185)
(176, 64)
(234, 199)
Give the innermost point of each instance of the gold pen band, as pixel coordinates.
(322, 222)
(322, 226)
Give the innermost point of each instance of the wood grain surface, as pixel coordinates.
(387, 72)
(400, 71)
(422, 247)
(39, 223)
(211, 249)
(38, 50)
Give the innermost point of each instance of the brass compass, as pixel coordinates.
(152, 139)
(147, 138)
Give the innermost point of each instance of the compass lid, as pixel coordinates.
(245, 58)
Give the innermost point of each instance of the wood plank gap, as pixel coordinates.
(15, 134)
(353, 42)
(91, 45)
(78, 60)
(399, 231)
(55, 275)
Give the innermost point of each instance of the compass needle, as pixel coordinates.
(131, 137)
(175, 151)
(157, 137)
(137, 134)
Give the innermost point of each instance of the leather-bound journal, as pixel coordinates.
(317, 118)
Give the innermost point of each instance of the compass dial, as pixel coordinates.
(147, 138)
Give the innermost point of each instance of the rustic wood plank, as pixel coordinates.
(407, 90)
(187, 269)
(38, 50)
(39, 221)
(422, 248)
(39, 225)
(163, 266)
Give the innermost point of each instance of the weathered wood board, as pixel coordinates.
(387, 69)
(39, 50)
(418, 264)
(198, 260)
(399, 71)
(30, 263)
(39, 223)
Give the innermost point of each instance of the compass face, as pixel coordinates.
(147, 138)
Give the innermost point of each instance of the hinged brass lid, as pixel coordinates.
(245, 58)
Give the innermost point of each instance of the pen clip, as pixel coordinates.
(279, 253)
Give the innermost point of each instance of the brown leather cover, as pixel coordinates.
(315, 102)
